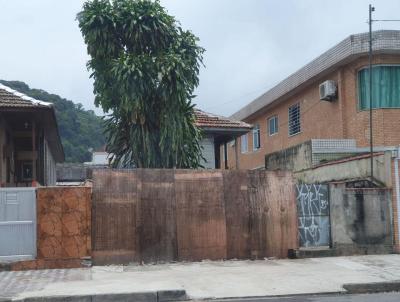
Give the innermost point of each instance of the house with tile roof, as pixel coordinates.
(30, 144)
(218, 131)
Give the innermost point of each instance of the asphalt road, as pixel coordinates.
(381, 297)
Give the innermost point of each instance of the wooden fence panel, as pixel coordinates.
(114, 211)
(258, 210)
(237, 213)
(201, 228)
(281, 198)
(273, 214)
(156, 221)
(148, 215)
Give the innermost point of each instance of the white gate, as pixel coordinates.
(17, 224)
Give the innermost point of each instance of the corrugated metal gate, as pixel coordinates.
(17, 223)
(313, 214)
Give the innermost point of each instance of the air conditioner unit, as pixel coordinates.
(328, 91)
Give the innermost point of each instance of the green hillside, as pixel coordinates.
(80, 129)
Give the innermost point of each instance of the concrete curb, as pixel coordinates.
(156, 296)
(376, 287)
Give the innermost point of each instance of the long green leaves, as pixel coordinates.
(145, 69)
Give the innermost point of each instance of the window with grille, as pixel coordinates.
(294, 119)
(244, 143)
(273, 125)
(256, 137)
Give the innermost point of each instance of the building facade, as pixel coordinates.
(30, 145)
(292, 112)
(217, 131)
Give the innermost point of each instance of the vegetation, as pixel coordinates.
(79, 129)
(145, 68)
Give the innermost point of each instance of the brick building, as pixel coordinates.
(292, 112)
(295, 127)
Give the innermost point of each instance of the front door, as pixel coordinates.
(313, 215)
(17, 223)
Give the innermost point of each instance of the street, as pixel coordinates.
(381, 297)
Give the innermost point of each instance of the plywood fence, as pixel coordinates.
(184, 215)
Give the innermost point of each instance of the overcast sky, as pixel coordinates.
(251, 45)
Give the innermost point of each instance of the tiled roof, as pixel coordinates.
(208, 120)
(10, 98)
(383, 41)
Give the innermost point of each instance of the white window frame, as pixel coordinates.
(244, 142)
(256, 133)
(290, 122)
(276, 125)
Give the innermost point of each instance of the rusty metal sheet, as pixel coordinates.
(156, 220)
(237, 214)
(201, 227)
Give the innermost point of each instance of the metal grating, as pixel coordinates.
(324, 150)
(294, 119)
(323, 145)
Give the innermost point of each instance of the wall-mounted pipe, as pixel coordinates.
(397, 180)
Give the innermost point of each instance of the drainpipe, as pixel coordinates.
(397, 180)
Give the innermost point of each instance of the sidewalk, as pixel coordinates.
(207, 279)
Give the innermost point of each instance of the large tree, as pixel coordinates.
(145, 68)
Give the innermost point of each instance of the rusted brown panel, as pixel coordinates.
(156, 220)
(114, 215)
(273, 214)
(258, 209)
(167, 215)
(237, 214)
(201, 226)
(63, 217)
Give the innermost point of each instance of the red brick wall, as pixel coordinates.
(320, 119)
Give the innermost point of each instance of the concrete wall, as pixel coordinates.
(350, 170)
(208, 152)
(360, 220)
(71, 172)
(295, 158)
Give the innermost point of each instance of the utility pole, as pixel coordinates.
(370, 20)
(371, 144)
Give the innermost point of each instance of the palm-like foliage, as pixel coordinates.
(145, 68)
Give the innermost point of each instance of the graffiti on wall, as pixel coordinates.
(313, 215)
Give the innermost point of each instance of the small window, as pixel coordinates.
(256, 137)
(244, 143)
(294, 119)
(273, 125)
